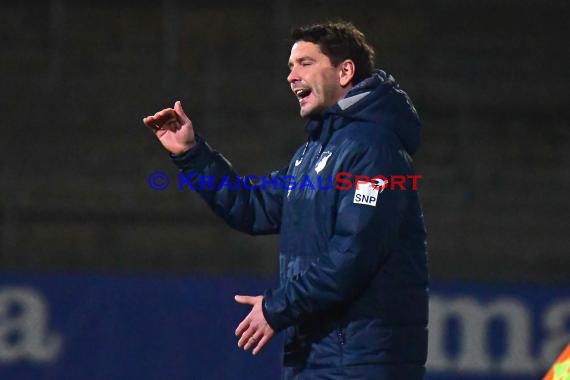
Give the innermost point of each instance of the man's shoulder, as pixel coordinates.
(364, 134)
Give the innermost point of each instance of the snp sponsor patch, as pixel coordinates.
(366, 193)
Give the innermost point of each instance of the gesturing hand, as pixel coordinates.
(254, 329)
(173, 128)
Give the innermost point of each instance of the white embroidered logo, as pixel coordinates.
(323, 161)
(298, 162)
(367, 193)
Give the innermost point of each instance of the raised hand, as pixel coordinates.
(173, 128)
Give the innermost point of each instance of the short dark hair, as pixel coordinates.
(339, 40)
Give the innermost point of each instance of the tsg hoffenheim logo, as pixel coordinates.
(323, 161)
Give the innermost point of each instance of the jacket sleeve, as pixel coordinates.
(360, 243)
(250, 204)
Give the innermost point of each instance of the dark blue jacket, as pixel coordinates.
(352, 299)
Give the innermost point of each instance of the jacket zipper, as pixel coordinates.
(341, 341)
(340, 335)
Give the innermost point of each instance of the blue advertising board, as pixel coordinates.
(496, 331)
(82, 327)
(146, 327)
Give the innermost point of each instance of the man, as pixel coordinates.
(352, 300)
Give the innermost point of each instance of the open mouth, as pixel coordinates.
(302, 93)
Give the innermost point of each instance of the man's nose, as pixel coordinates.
(292, 77)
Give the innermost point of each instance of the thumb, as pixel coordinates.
(246, 300)
(180, 112)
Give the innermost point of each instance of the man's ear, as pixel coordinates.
(346, 72)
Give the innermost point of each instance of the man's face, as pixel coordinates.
(313, 79)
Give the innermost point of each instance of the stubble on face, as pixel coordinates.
(313, 79)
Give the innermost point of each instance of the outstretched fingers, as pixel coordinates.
(242, 328)
(253, 331)
(180, 112)
(165, 119)
(253, 340)
(245, 300)
(261, 344)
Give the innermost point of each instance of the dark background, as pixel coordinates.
(488, 78)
